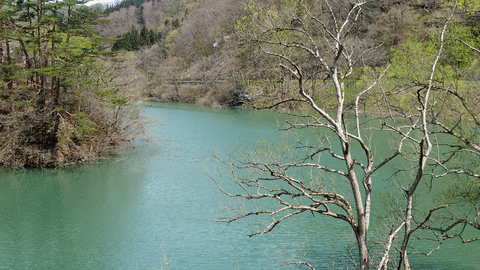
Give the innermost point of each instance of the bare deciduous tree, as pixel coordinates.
(309, 41)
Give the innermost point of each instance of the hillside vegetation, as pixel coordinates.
(196, 60)
(418, 81)
(56, 108)
(67, 71)
(200, 59)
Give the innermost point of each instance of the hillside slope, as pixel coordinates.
(200, 59)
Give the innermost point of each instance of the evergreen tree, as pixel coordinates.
(51, 50)
(134, 40)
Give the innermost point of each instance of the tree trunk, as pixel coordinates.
(362, 217)
(2, 61)
(406, 238)
(8, 62)
(361, 236)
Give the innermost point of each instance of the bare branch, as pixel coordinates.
(384, 261)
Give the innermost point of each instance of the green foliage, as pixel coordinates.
(24, 103)
(265, 150)
(134, 40)
(62, 136)
(84, 125)
(63, 34)
(140, 16)
(77, 46)
(411, 62)
(83, 128)
(411, 67)
(274, 25)
(466, 191)
(246, 23)
(52, 56)
(259, 16)
(110, 95)
(466, 5)
(458, 54)
(176, 23)
(201, 47)
(358, 81)
(175, 6)
(170, 39)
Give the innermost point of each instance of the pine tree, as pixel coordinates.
(134, 40)
(50, 49)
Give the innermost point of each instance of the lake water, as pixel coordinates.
(156, 202)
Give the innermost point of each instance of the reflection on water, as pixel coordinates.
(157, 201)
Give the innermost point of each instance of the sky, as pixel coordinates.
(105, 2)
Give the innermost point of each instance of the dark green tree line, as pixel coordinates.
(134, 40)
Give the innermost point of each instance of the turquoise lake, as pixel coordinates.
(157, 202)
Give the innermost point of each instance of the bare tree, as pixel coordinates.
(308, 41)
(322, 37)
(445, 141)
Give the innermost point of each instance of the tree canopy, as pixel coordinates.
(48, 74)
(134, 40)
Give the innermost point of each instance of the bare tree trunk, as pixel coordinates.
(2, 61)
(55, 88)
(363, 250)
(8, 62)
(409, 206)
(40, 77)
(426, 147)
(362, 218)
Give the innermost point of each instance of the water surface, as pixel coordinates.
(157, 201)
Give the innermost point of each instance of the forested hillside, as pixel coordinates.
(194, 61)
(56, 108)
(200, 59)
(387, 93)
(191, 51)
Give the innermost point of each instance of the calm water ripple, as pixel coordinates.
(157, 201)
